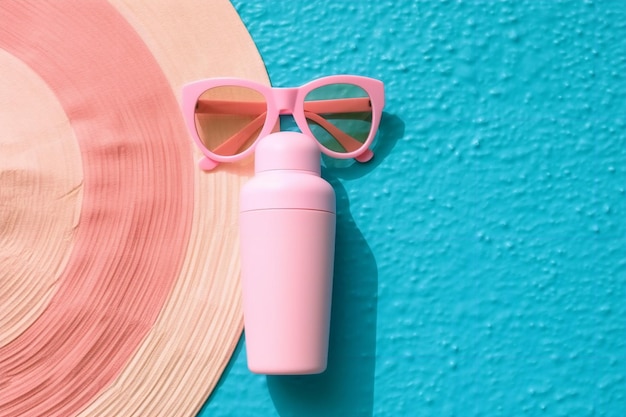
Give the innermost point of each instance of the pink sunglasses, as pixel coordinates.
(226, 116)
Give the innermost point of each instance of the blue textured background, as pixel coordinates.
(481, 257)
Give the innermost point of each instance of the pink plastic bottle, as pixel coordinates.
(287, 231)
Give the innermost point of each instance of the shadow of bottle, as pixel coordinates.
(346, 388)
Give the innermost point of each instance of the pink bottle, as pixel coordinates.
(287, 231)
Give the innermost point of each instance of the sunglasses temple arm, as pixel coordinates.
(232, 144)
(230, 107)
(347, 141)
(207, 164)
(340, 105)
(365, 156)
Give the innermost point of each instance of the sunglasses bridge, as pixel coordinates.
(285, 99)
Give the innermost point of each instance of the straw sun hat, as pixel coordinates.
(119, 290)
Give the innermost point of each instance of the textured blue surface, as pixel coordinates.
(481, 257)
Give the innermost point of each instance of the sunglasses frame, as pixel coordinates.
(283, 101)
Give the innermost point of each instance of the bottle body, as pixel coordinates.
(287, 288)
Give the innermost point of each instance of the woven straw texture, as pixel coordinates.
(119, 276)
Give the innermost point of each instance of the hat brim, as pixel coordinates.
(120, 276)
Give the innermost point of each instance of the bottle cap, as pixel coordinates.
(287, 151)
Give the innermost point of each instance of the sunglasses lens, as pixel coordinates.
(339, 116)
(230, 118)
